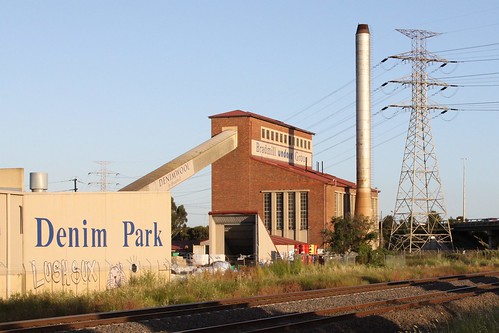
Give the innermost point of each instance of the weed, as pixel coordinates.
(148, 289)
(483, 322)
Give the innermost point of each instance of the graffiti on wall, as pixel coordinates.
(116, 277)
(64, 272)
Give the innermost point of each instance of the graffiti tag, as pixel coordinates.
(64, 273)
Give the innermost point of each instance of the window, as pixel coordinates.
(279, 210)
(285, 210)
(353, 198)
(267, 210)
(263, 133)
(374, 203)
(303, 210)
(291, 211)
(338, 204)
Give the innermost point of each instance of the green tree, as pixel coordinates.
(386, 230)
(198, 233)
(179, 219)
(349, 234)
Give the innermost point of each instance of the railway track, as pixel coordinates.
(155, 316)
(312, 319)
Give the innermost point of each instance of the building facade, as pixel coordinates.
(271, 173)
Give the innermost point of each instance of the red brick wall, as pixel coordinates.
(230, 174)
(265, 177)
(238, 180)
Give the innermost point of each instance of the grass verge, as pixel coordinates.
(280, 277)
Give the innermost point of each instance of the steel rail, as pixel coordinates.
(321, 317)
(115, 317)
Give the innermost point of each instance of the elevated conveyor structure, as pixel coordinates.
(186, 165)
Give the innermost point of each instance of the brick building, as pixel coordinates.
(270, 174)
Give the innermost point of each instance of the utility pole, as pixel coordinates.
(464, 189)
(420, 213)
(75, 188)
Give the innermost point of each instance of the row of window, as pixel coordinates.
(284, 138)
(284, 208)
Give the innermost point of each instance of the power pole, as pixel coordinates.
(464, 189)
(103, 173)
(75, 180)
(420, 213)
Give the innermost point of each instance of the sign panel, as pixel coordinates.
(281, 153)
(94, 241)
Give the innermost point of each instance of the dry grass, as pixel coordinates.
(281, 277)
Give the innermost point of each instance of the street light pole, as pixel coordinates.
(464, 189)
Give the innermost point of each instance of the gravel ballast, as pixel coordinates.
(414, 320)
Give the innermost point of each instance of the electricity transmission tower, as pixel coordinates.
(104, 173)
(419, 219)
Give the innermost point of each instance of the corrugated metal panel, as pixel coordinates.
(233, 219)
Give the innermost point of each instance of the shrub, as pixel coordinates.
(148, 290)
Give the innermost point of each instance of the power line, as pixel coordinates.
(467, 48)
(475, 103)
(320, 100)
(323, 122)
(480, 60)
(192, 192)
(471, 75)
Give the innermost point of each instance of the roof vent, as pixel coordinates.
(38, 181)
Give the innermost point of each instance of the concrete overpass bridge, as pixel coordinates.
(490, 226)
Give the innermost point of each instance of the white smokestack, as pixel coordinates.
(363, 205)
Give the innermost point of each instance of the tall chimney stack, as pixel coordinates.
(363, 204)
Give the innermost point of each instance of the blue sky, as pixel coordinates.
(133, 83)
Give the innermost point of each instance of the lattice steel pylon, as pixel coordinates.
(103, 173)
(419, 218)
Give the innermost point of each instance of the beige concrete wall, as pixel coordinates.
(84, 241)
(12, 179)
(3, 244)
(217, 237)
(11, 244)
(265, 244)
